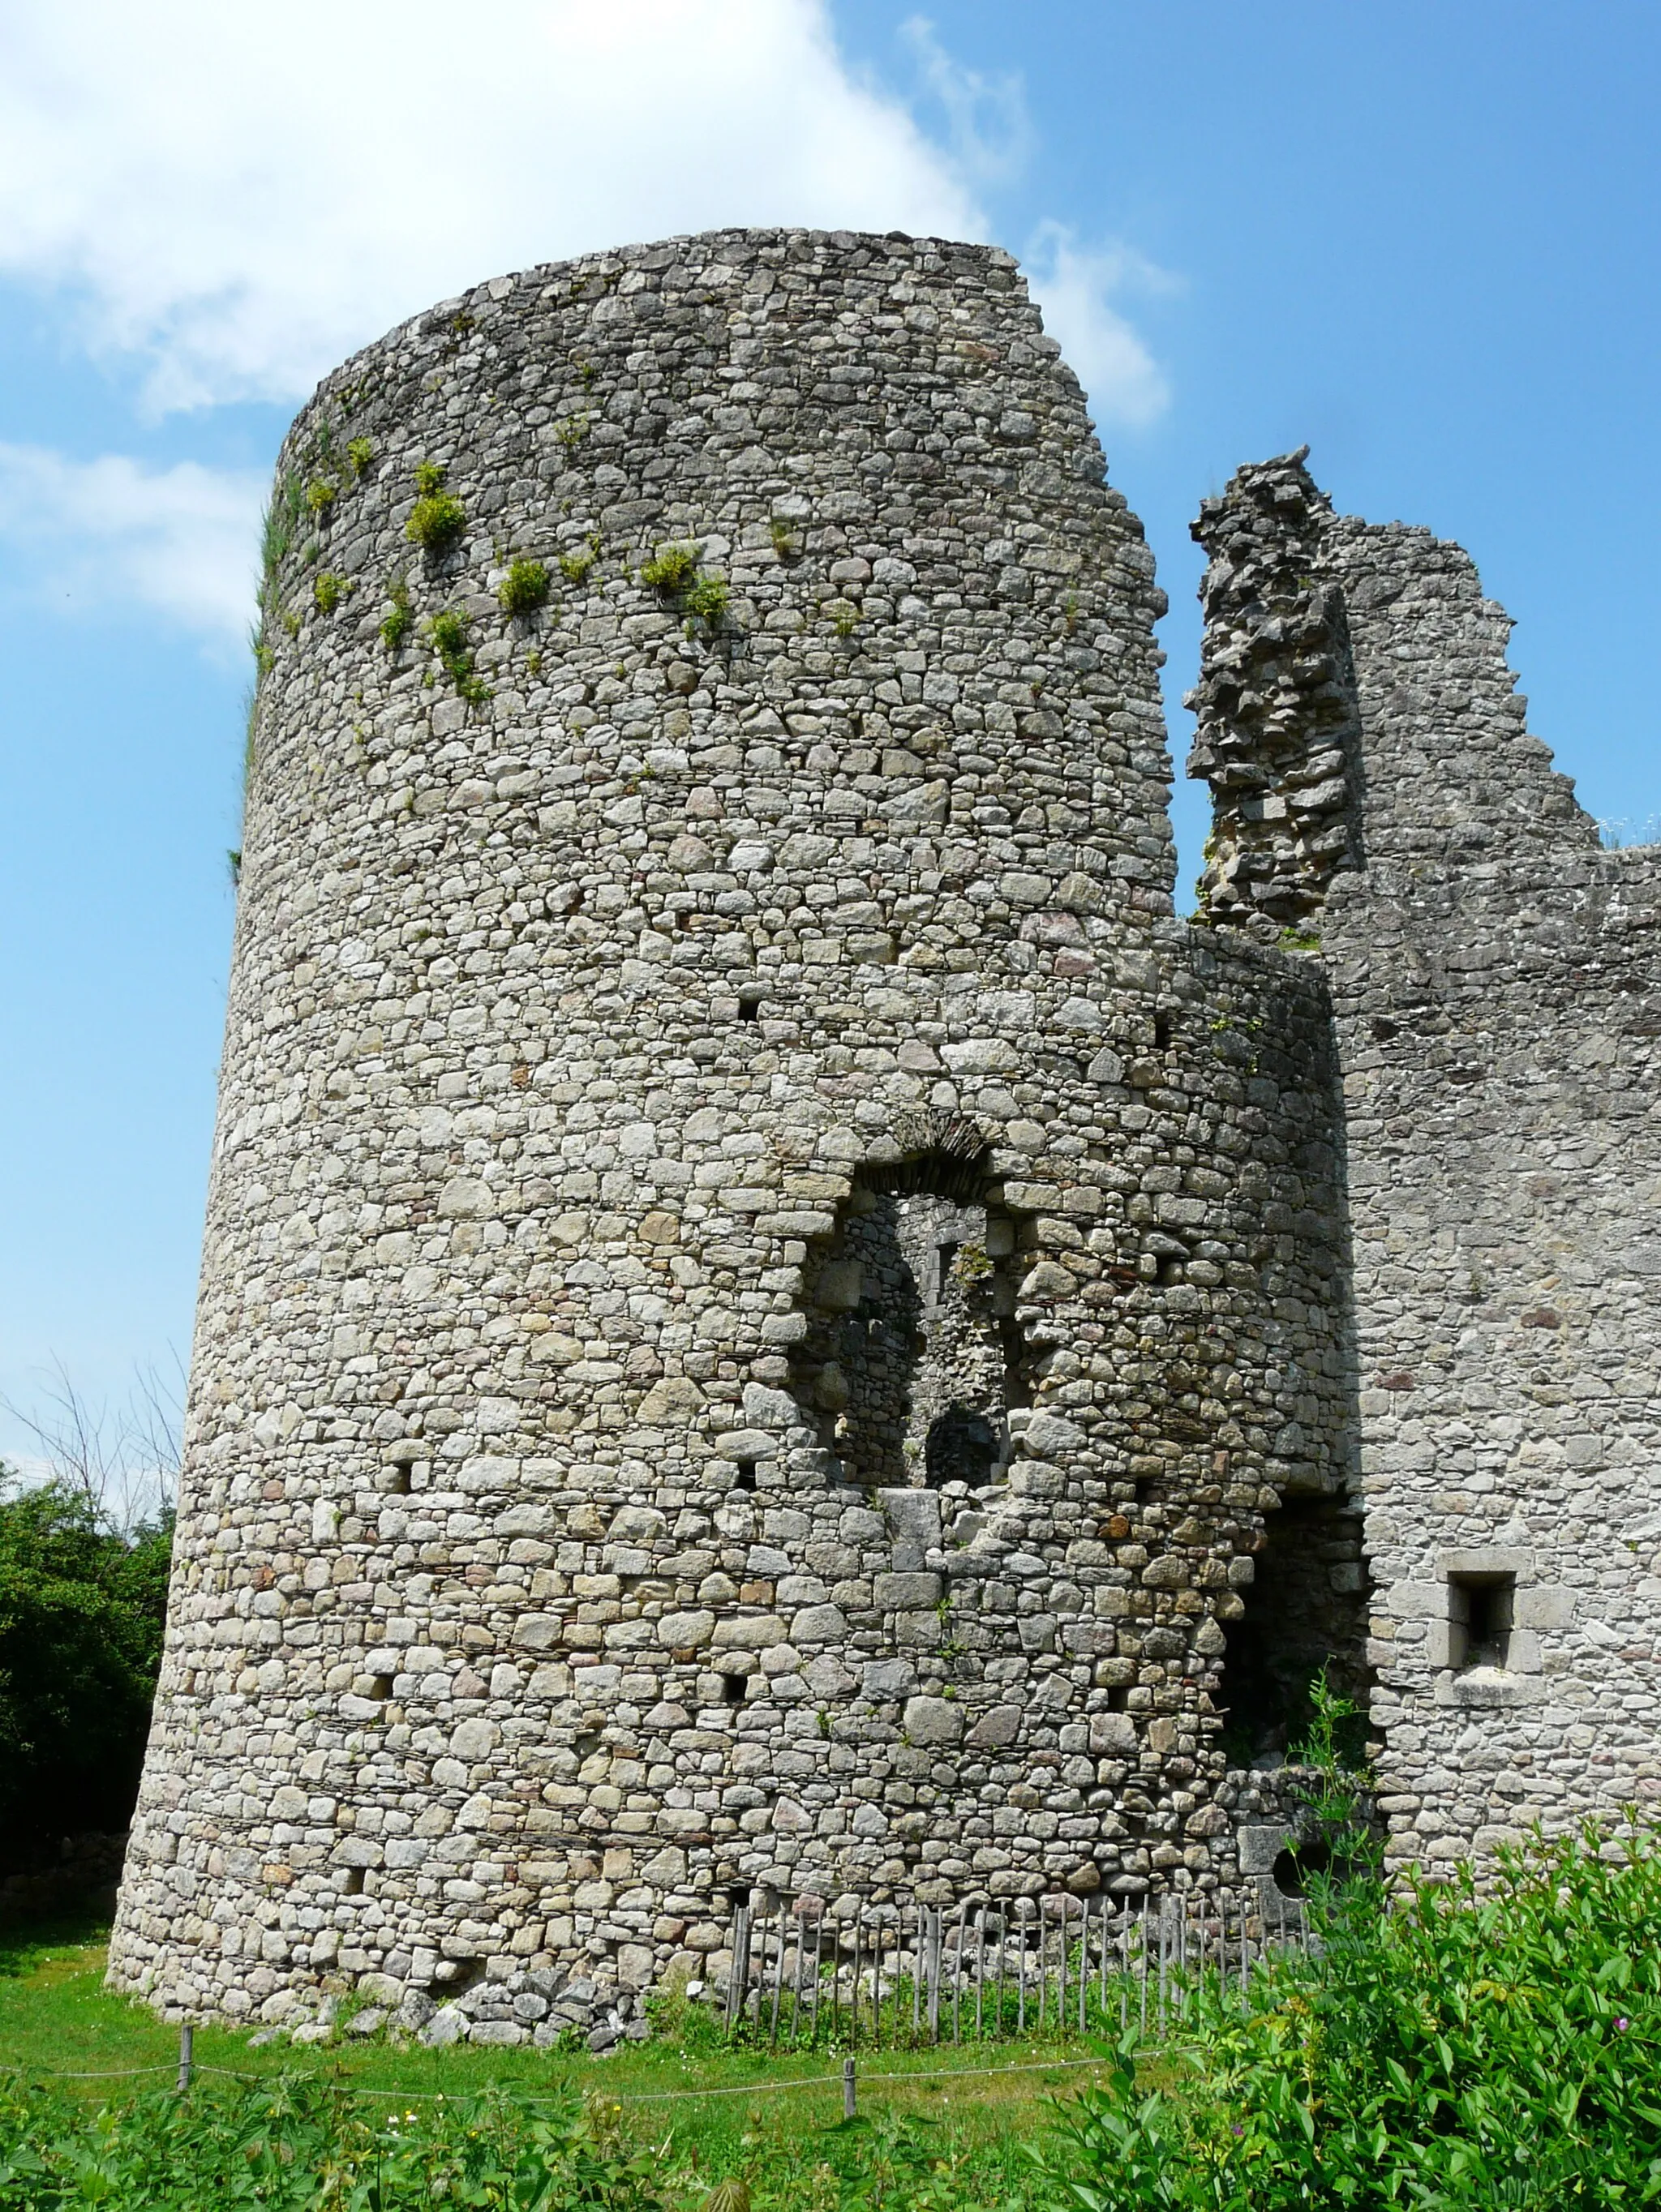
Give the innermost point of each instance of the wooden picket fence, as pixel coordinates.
(852, 1972)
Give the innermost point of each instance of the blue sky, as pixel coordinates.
(1422, 238)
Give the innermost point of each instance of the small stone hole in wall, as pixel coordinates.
(961, 1445)
(1118, 1698)
(455, 1976)
(1171, 1271)
(1293, 1867)
(382, 1687)
(731, 1689)
(738, 1896)
(352, 1882)
(1161, 1032)
(746, 1477)
(395, 1481)
(750, 1005)
(1480, 1609)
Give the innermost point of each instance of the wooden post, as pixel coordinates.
(737, 1986)
(187, 2054)
(849, 2095)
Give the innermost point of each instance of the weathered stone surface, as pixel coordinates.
(738, 1211)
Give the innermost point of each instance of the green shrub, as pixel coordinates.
(436, 520)
(81, 1609)
(707, 601)
(448, 632)
(1461, 2049)
(574, 565)
(395, 626)
(328, 590)
(360, 452)
(321, 494)
(525, 588)
(671, 570)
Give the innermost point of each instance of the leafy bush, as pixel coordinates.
(395, 626)
(328, 590)
(299, 2142)
(360, 452)
(525, 588)
(82, 1610)
(321, 494)
(1499, 2049)
(438, 518)
(448, 632)
(670, 569)
(707, 601)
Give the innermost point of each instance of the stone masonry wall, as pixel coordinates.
(599, 968)
(1497, 1007)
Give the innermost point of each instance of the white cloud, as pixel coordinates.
(1076, 286)
(243, 195)
(111, 533)
(239, 196)
(986, 115)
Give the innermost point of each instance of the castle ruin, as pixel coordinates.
(771, 1318)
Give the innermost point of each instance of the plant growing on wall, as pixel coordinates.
(525, 588)
(575, 565)
(360, 452)
(671, 570)
(395, 626)
(438, 518)
(706, 603)
(448, 633)
(674, 572)
(328, 590)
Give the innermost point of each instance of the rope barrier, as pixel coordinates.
(622, 2096)
(103, 2073)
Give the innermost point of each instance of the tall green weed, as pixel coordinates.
(296, 2143)
(1451, 2050)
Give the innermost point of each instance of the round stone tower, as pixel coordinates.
(757, 1287)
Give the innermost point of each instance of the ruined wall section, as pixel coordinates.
(1499, 1024)
(1275, 708)
(1497, 1006)
(589, 960)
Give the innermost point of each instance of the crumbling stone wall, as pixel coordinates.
(588, 972)
(1497, 1007)
(1275, 708)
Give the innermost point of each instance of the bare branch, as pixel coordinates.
(124, 1463)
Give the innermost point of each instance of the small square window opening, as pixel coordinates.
(1479, 1609)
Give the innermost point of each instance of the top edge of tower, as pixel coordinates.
(733, 245)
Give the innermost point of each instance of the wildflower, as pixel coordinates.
(1622, 2025)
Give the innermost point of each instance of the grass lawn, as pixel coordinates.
(57, 2020)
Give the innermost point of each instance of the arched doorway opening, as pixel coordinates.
(913, 1357)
